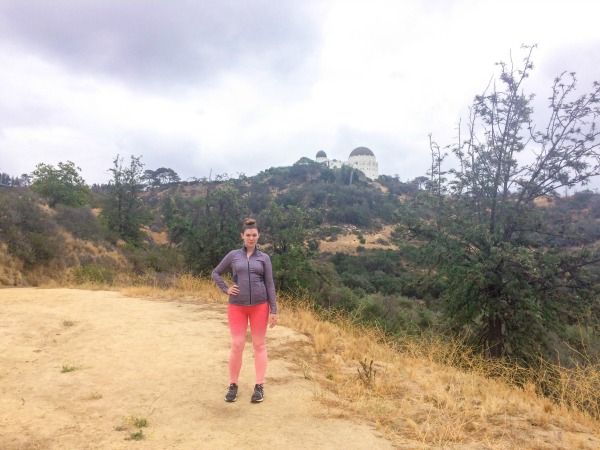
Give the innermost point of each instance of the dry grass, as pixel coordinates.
(416, 393)
(161, 238)
(348, 242)
(10, 268)
(185, 288)
(422, 393)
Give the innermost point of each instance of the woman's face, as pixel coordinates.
(250, 237)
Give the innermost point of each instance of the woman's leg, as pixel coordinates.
(238, 324)
(259, 318)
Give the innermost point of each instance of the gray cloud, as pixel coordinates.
(238, 86)
(164, 43)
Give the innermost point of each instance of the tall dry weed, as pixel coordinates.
(183, 287)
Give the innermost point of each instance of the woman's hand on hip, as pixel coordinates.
(233, 290)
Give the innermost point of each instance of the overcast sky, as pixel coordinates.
(239, 86)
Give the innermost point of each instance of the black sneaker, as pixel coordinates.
(259, 394)
(231, 395)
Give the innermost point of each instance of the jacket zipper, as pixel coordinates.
(249, 282)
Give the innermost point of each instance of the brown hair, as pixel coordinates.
(249, 224)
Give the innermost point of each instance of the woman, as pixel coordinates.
(251, 298)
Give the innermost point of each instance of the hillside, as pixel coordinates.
(338, 244)
(98, 369)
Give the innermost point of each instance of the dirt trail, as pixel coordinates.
(160, 361)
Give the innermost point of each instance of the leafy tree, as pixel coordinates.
(123, 210)
(285, 229)
(213, 227)
(508, 283)
(24, 180)
(62, 185)
(306, 168)
(160, 177)
(173, 211)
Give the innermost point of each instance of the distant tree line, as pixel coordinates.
(8, 180)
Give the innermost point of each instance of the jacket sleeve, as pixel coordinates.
(223, 266)
(270, 284)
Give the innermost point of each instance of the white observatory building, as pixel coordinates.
(360, 158)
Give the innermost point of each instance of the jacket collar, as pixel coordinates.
(256, 249)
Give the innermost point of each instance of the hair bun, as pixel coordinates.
(249, 221)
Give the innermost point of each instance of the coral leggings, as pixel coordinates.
(238, 317)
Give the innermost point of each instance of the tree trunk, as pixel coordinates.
(495, 338)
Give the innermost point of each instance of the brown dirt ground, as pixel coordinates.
(165, 362)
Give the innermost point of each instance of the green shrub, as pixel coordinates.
(93, 274)
(28, 231)
(154, 258)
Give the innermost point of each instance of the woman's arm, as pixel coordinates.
(223, 266)
(270, 285)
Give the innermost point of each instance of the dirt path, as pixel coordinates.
(160, 361)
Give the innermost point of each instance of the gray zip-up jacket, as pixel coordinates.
(253, 275)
